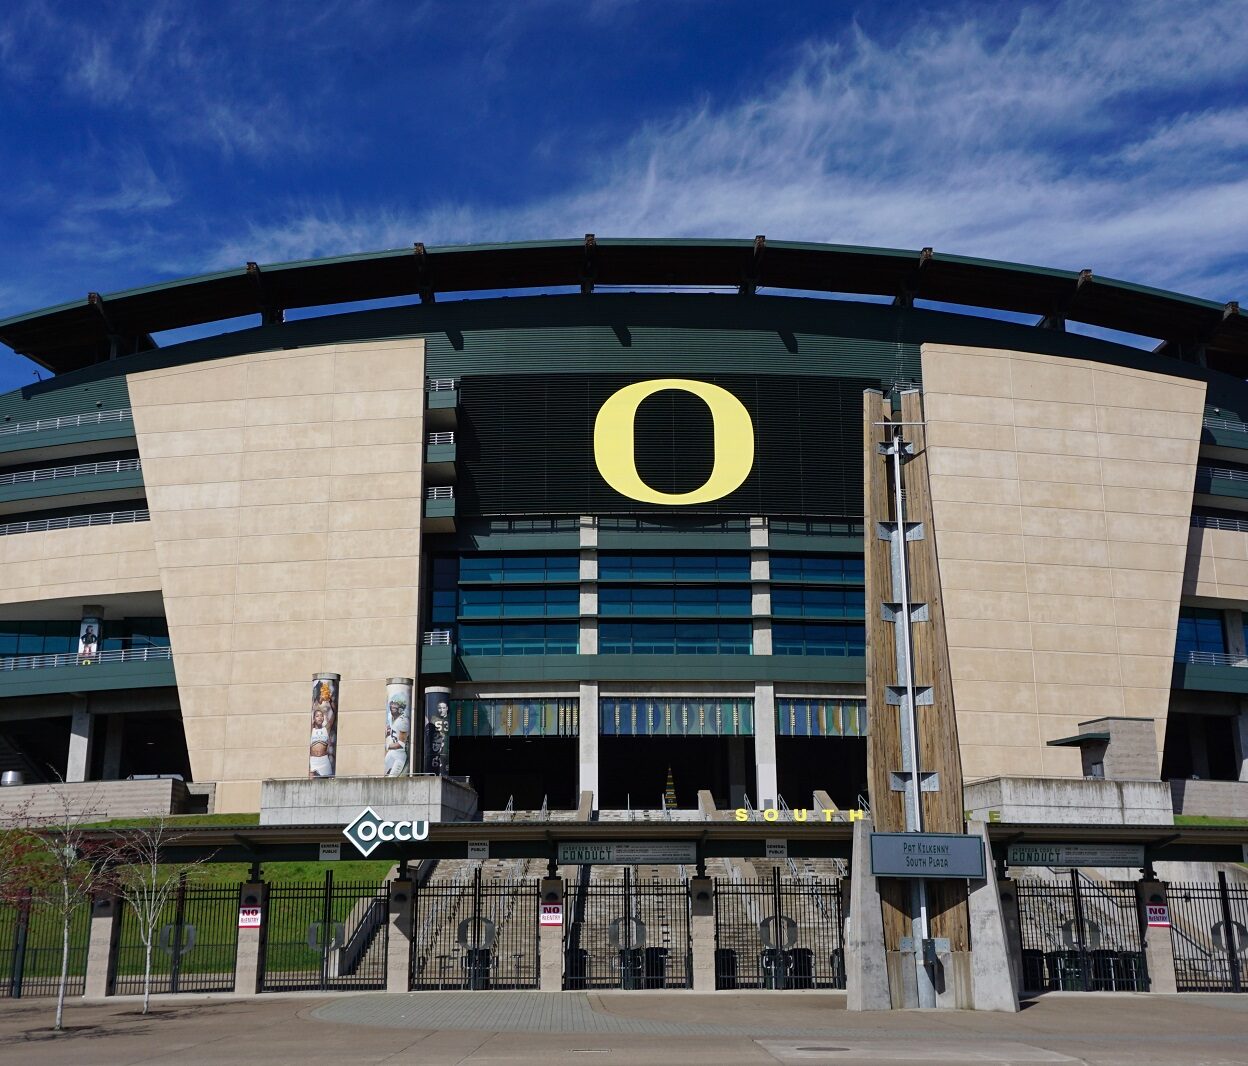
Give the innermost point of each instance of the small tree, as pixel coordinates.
(146, 882)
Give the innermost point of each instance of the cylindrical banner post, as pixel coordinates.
(323, 743)
(398, 725)
(437, 739)
(90, 633)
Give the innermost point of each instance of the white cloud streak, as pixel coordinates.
(1063, 135)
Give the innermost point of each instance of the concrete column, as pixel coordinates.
(1233, 627)
(1158, 947)
(1239, 731)
(399, 949)
(1007, 890)
(78, 765)
(550, 940)
(702, 932)
(589, 531)
(587, 741)
(765, 745)
(761, 636)
(866, 965)
(248, 962)
(114, 735)
(758, 531)
(587, 643)
(105, 912)
(992, 982)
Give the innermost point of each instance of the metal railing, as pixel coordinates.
(50, 473)
(1236, 525)
(72, 658)
(440, 492)
(441, 438)
(1226, 423)
(435, 637)
(1214, 658)
(1222, 472)
(77, 521)
(439, 384)
(89, 418)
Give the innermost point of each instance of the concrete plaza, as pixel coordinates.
(434, 1028)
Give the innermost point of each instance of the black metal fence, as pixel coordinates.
(31, 938)
(323, 937)
(1078, 935)
(1209, 935)
(629, 933)
(195, 943)
(475, 934)
(779, 932)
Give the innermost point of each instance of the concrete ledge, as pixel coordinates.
(1217, 799)
(337, 800)
(1068, 801)
(92, 800)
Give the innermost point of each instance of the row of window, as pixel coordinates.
(1200, 629)
(675, 638)
(60, 636)
(684, 716)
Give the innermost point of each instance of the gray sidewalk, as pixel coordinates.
(689, 1029)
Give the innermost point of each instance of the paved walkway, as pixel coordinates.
(625, 1028)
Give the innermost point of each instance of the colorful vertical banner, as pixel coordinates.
(323, 742)
(90, 633)
(398, 725)
(437, 739)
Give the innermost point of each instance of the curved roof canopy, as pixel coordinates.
(96, 328)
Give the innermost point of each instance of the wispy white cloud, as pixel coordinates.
(1056, 134)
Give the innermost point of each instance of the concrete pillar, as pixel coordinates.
(587, 741)
(78, 764)
(992, 980)
(399, 948)
(114, 735)
(589, 531)
(105, 913)
(587, 637)
(758, 531)
(248, 962)
(1158, 947)
(765, 745)
(866, 965)
(760, 596)
(1239, 730)
(550, 940)
(1007, 891)
(702, 932)
(1233, 627)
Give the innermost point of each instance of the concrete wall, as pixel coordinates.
(286, 493)
(1047, 800)
(337, 801)
(79, 565)
(1062, 491)
(1221, 799)
(92, 800)
(1217, 564)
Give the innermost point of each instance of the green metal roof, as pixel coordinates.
(83, 332)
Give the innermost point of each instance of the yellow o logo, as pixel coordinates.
(614, 442)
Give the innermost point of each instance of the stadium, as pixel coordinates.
(646, 526)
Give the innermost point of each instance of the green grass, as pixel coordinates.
(1208, 819)
(178, 821)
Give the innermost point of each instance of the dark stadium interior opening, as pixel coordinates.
(525, 770)
(147, 744)
(838, 765)
(633, 771)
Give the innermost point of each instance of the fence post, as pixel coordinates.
(105, 911)
(249, 959)
(1158, 947)
(702, 932)
(550, 938)
(399, 947)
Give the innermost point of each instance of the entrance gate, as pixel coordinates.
(475, 934)
(326, 937)
(1209, 934)
(779, 932)
(195, 945)
(1081, 936)
(30, 950)
(627, 934)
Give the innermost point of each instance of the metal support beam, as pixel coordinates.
(910, 287)
(754, 269)
(1056, 319)
(589, 267)
(270, 315)
(424, 282)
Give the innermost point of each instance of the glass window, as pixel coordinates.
(806, 602)
(678, 638)
(820, 717)
(519, 638)
(613, 566)
(1200, 630)
(676, 716)
(614, 600)
(842, 569)
(8, 638)
(538, 717)
(814, 638)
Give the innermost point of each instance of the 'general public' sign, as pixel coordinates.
(1075, 855)
(952, 855)
(657, 853)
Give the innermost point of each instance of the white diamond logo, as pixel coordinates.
(363, 831)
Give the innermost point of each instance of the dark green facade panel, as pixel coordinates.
(1199, 677)
(650, 668)
(68, 486)
(98, 677)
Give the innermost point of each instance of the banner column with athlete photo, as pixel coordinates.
(398, 726)
(323, 740)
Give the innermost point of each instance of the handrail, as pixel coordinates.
(440, 492)
(1226, 423)
(72, 658)
(113, 466)
(439, 384)
(436, 637)
(87, 418)
(78, 521)
(446, 437)
(1216, 658)
(1223, 472)
(1237, 525)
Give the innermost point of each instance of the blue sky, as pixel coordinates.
(146, 141)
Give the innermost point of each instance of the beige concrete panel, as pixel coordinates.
(1059, 637)
(999, 697)
(363, 406)
(1077, 668)
(973, 462)
(971, 633)
(279, 519)
(189, 497)
(368, 632)
(1134, 473)
(368, 573)
(277, 465)
(995, 547)
(985, 410)
(973, 374)
(288, 411)
(1052, 414)
(948, 434)
(390, 486)
(968, 603)
(1146, 528)
(1143, 501)
(1057, 441)
(291, 374)
(1068, 469)
(271, 492)
(1084, 701)
(236, 796)
(176, 444)
(986, 576)
(199, 610)
(1223, 543)
(1060, 762)
(1051, 379)
(282, 576)
(253, 667)
(203, 732)
(1147, 584)
(1147, 614)
(196, 667)
(371, 543)
(379, 431)
(216, 551)
(267, 607)
(1062, 494)
(1066, 551)
(976, 489)
(975, 517)
(277, 635)
(1132, 422)
(1010, 730)
(1074, 610)
(205, 701)
(301, 436)
(1156, 392)
(197, 581)
(385, 602)
(1062, 523)
(178, 470)
(368, 459)
(1140, 449)
(1128, 555)
(1148, 703)
(283, 547)
(186, 386)
(199, 524)
(180, 417)
(993, 664)
(206, 765)
(392, 514)
(988, 760)
(1149, 671)
(1050, 579)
